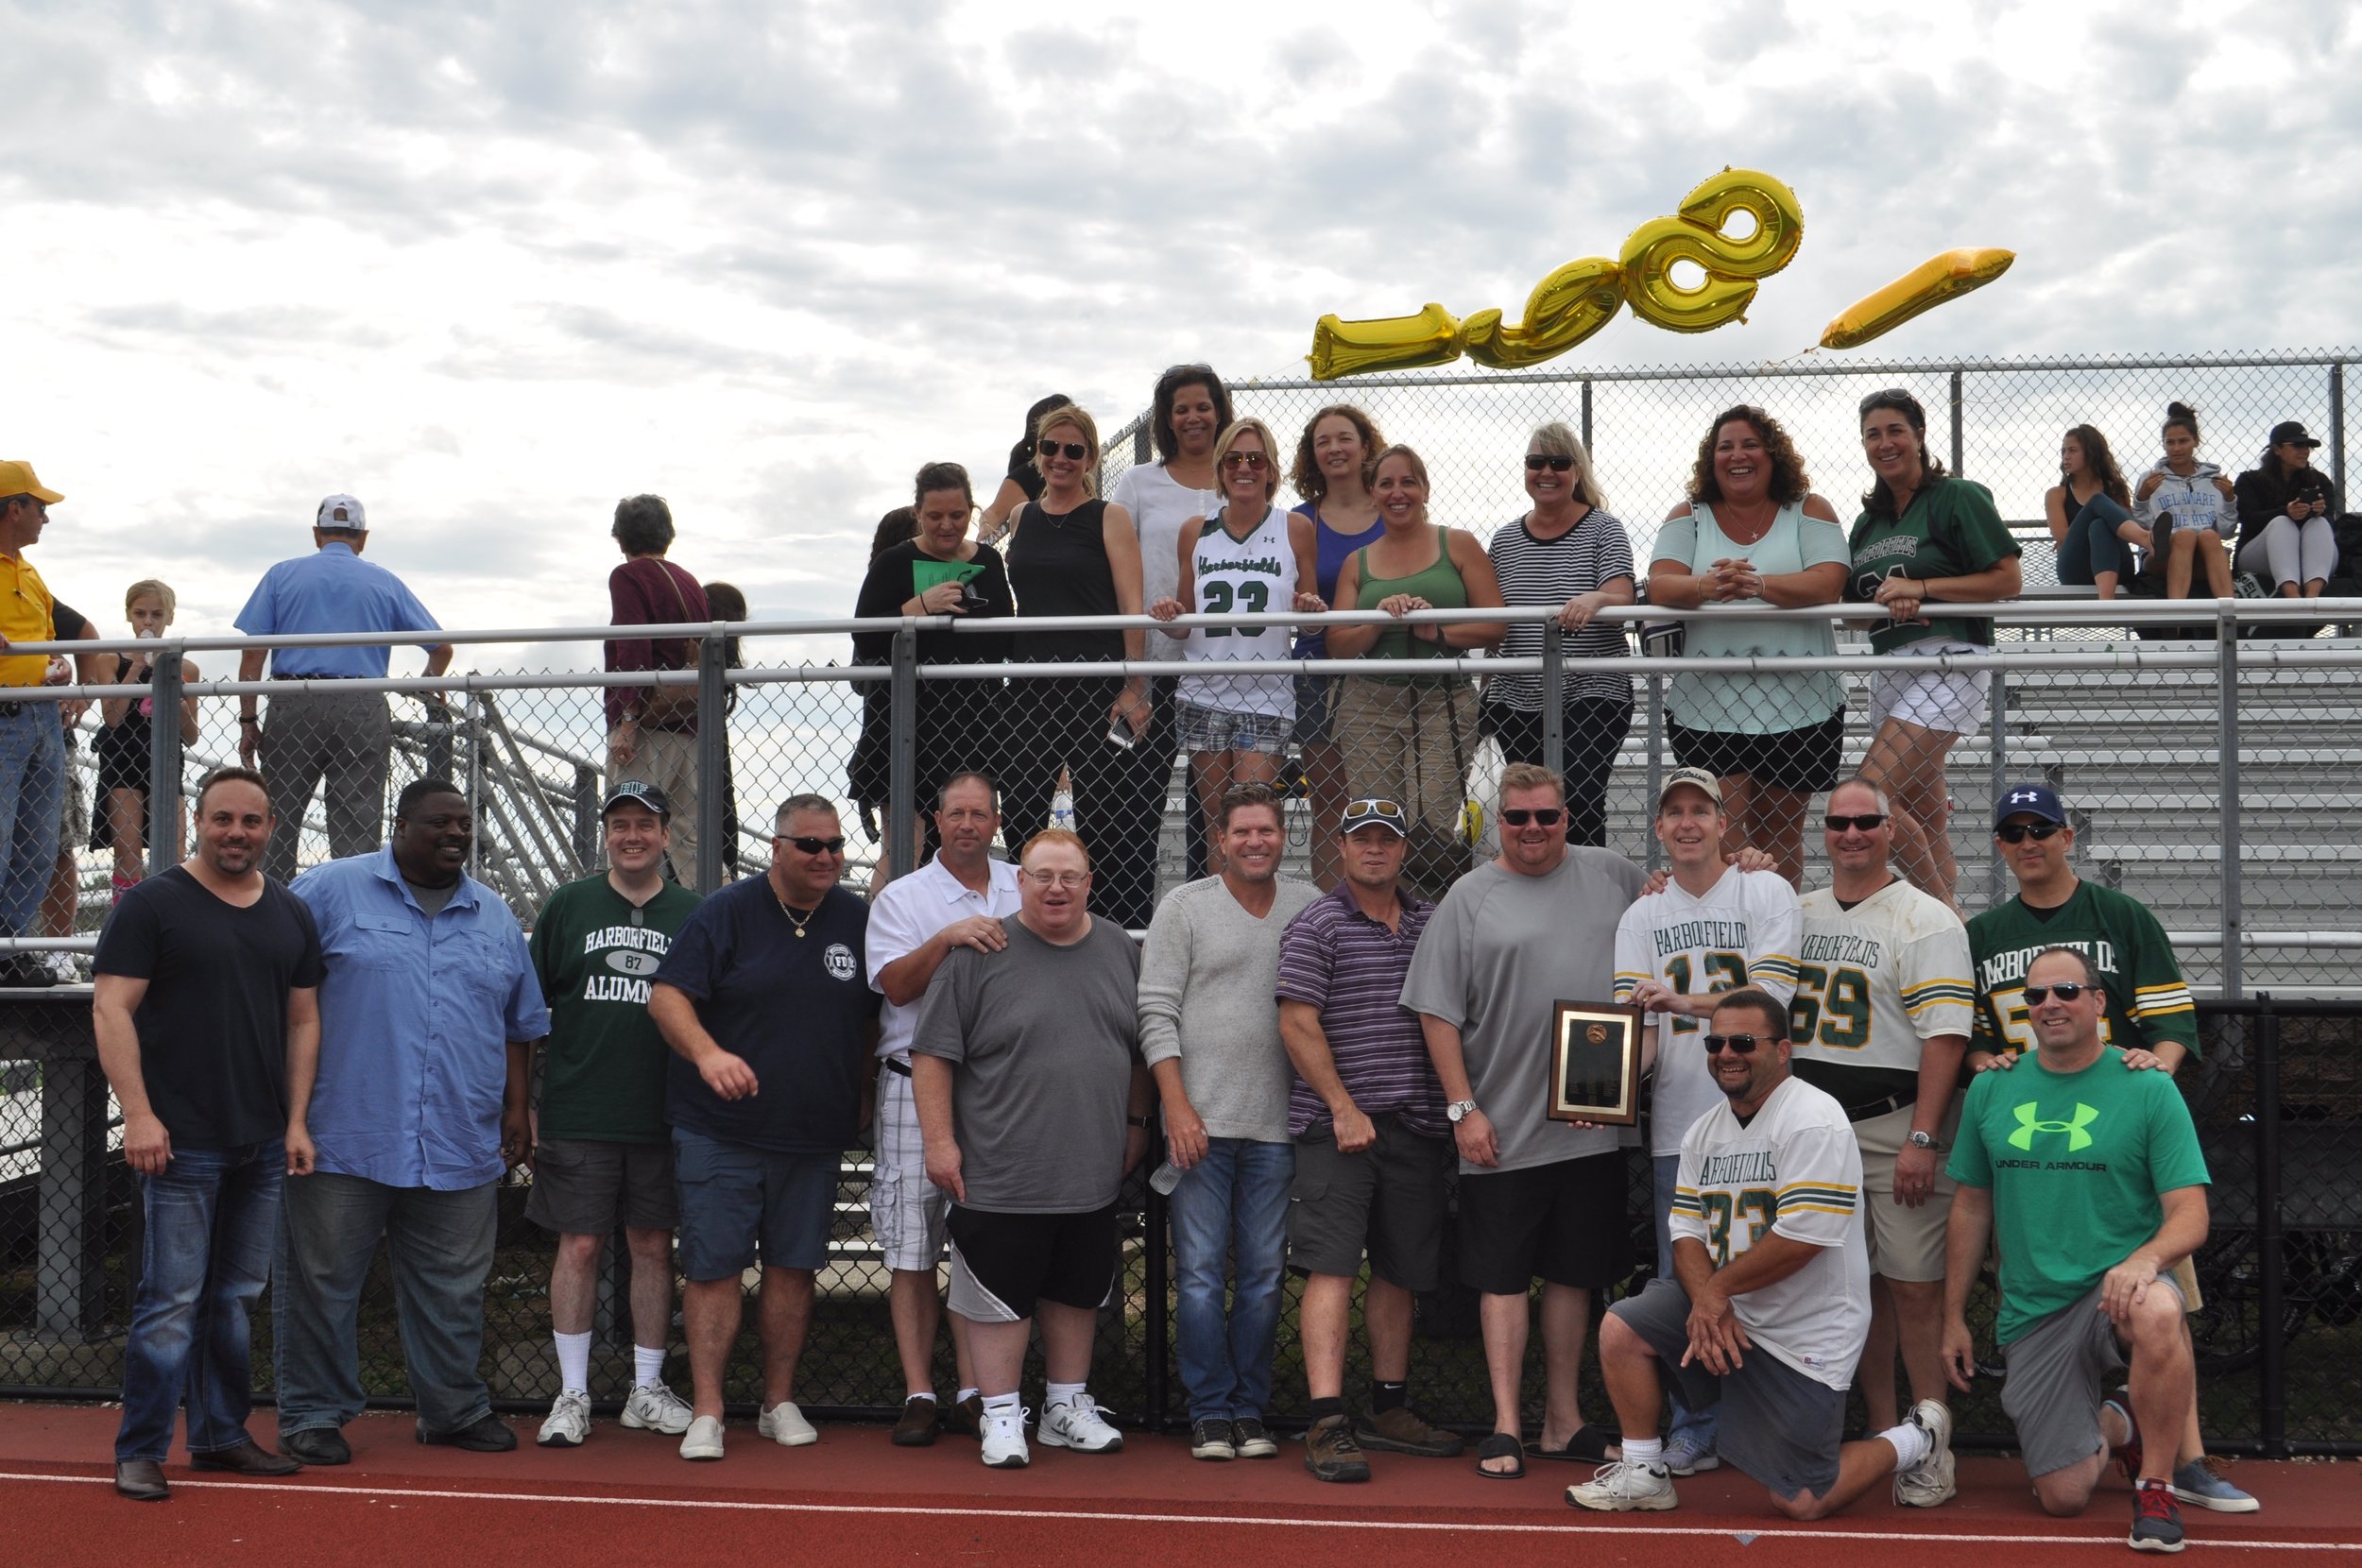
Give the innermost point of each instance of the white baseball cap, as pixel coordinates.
(343, 511)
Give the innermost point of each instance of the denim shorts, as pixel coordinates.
(738, 1202)
(1217, 730)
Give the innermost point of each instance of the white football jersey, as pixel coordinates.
(1875, 981)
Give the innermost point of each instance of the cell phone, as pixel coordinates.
(1119, 734)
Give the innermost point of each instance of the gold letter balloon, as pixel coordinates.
(1923, 288)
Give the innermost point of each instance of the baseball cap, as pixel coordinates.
(343, 511)
(1370, 811)
(1696, 778)
(2292, 430)
(2033, 800)
(17, 479)
(632, 792)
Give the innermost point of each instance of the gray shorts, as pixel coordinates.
(2051, 1394)
(582, 1187)
(1776, 1424)
(1389, 1199)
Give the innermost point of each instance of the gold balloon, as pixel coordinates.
(1385, 343)
(1731, 265)
(1564, 308)
(1923, 288)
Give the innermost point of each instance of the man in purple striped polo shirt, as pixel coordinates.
(1372, 1143)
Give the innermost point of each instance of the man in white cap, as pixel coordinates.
(346, 738)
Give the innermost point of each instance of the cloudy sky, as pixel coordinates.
(490, 268)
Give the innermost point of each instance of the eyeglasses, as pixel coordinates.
(2066, 991)
(1555, 462)
(1074, 449)
(1865, 822)
(1743, 1044)
(1243, 460)
(2018, 832)
(1058, 879)
(811, 845)
(1518, 816)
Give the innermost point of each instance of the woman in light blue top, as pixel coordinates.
(2197, 499)
(1753, 532)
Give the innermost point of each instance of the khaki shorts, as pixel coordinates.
(1905, 1243)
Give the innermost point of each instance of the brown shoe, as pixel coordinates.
(1403, 1430)
(141, 1480)
(1330, 1453)
(921, 1418)
(245, 1459)
(965, 1418)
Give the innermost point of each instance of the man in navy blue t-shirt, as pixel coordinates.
(765, 1001)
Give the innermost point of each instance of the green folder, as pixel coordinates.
(926, 574)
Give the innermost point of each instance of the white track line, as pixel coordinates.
(975, 1515)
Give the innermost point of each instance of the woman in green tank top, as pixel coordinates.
(1407, 736)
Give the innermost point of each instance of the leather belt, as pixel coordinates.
(896, 1064)
(1880, 1107)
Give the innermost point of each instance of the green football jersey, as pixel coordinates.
(602, 1071)
(2148, 1002)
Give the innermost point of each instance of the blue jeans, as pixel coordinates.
(1697, 1425)
(211, 1217)
(32, 793)
(440, 1244)
(1233, 1203)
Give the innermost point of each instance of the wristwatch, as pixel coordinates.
(1923, 1140)
(1458, 1109)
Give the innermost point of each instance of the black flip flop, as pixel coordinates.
(1500, 1445)
(1586, 1446)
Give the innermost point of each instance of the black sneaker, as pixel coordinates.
(2156, 1520)
(1212, 1439)
(1251, 1440)
(1330, 1453)
(26, 971)
(487, 1434)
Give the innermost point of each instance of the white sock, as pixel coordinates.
(927, 1394)
(647, 1366)
(574, 1362)
(1056, 1395)
(1910, 1444)
(966, 1395)
(1000, 1405)
(1644, 1450)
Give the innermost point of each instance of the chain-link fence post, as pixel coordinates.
(902, 756)
(1586, 423)
(163, 752)
(2272, 1361)
(585, 816)
(2227, 739)
(1996, 888)
(713, 756)
(1958, 454)
(475, 727)
(1156, 1313)
(1553, 700)
(2337, 430)
(1656, 759)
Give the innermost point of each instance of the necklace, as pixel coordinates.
(799, 922)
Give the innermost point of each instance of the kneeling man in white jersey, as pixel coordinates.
(1773, 1296)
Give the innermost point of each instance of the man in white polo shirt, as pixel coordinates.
(958, 900)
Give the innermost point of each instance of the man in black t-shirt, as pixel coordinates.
(207, 984)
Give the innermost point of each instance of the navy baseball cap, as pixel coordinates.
(632, 792)
(2033, 800)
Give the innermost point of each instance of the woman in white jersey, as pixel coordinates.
(1249, 557)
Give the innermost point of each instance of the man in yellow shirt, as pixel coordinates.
(32, 748)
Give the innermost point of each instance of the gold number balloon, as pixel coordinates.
(1385, 343)
(1564, 308)
(1695, 234)
(1923, 288)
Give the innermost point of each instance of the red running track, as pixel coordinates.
(626, 1498)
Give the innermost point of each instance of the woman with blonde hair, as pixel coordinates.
(126, 818)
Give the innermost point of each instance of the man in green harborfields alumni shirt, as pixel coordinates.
(602, 1152)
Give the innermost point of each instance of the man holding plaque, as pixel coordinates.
(1537, 1198)
(1770, 1294)
(1713, 928)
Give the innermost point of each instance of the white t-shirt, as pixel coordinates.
(905, 917)
(1794, 1170)
(1159, 505)
(1254, 574)
(1875, 981)
(1741, 932)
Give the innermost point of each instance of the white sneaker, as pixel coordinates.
(704, 1440)
(1004, 1440)
(1932, 1480)
(785, 1426)
(63, 966)
(1626, 1485)
(654, 1407)
(1079, 1426)
(569, 1422)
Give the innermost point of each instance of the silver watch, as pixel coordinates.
(1458, 1109)
(1922, 1140)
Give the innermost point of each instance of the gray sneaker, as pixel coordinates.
(2200, 1482)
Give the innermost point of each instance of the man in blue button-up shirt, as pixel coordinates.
(342, 736)
(415, 1106)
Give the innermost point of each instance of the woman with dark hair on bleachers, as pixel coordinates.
(865, 771)
(2187, 506)
(2285, 537)
(1022, 482)
(2090, 515)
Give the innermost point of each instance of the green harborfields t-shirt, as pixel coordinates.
(2075, 1163)
(602, 1071)
(1951, 529)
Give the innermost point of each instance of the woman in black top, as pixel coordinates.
(2284, 506)
(127, 817)
(942, 572)
(1073, 554)
(1024, 483)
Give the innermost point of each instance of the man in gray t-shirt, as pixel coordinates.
(1025, 1069)
(1536, 1197)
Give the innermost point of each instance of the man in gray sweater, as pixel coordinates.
(1209, 1031)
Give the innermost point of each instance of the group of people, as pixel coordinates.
(1311, 1064)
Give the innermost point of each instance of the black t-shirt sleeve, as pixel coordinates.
(128, 943)
(698, 953)
(311, 968)
(70, 622)
(882, 593)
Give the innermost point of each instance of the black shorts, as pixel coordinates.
(1006, 1264)
(1563, 1222)
(1806, 761)
(1389, 1198)
(583, 1187)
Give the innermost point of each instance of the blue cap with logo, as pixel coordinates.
(2030, 800)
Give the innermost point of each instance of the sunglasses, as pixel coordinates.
(1369, 810)
(1743, 1044)
(2066, 991)
(1555, 462)
(811, 845)
(1864, 823)
(1075, 450)
(1893, 397)
(1243, 460)
(1548, 816)
(2018, 832)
